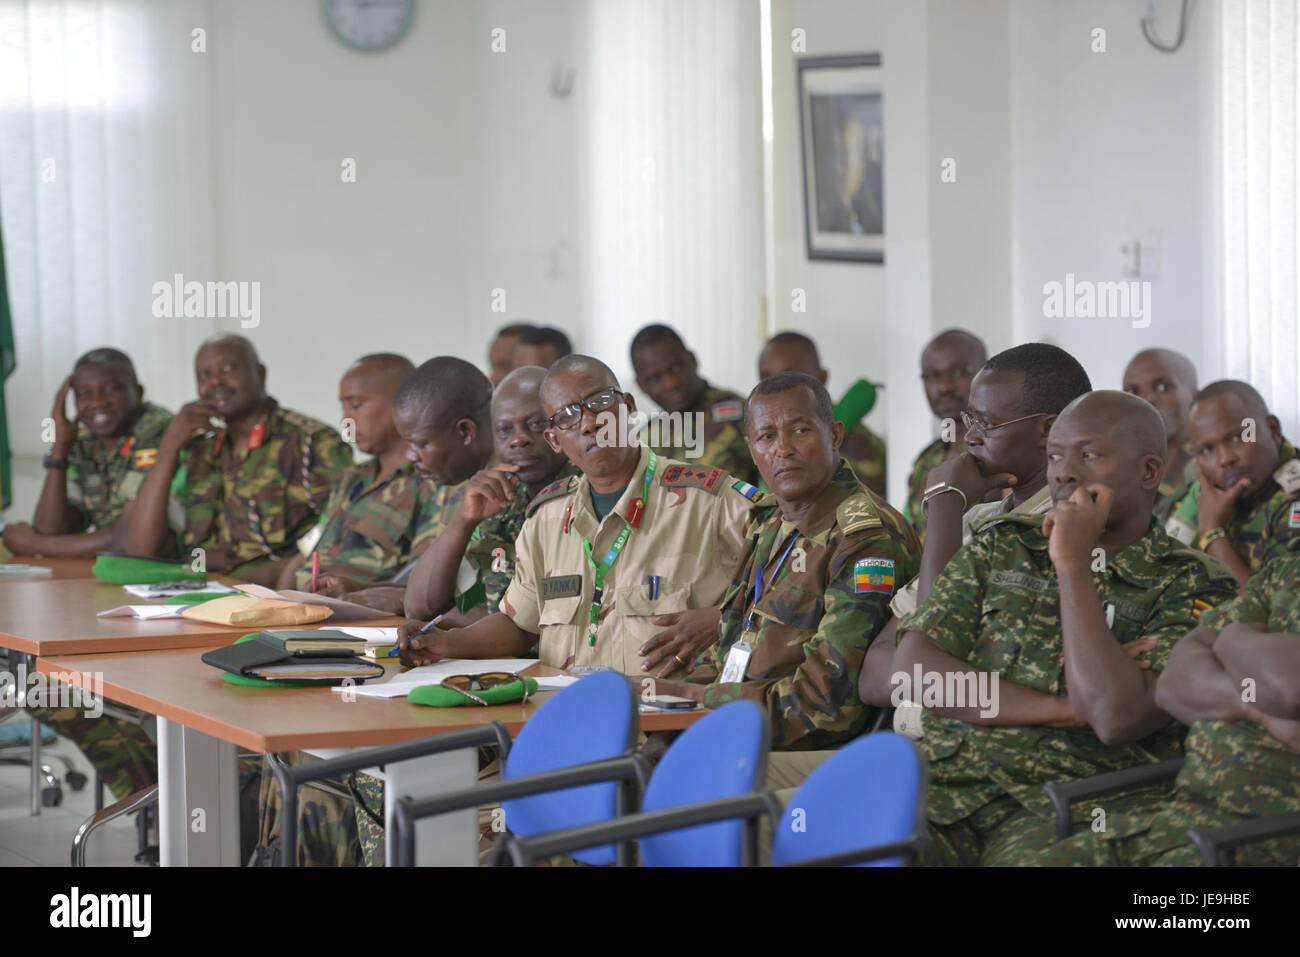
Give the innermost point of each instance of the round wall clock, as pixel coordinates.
(369, 25)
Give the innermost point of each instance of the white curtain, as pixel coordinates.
(105, 189)
(672, 180)
(1260, 331)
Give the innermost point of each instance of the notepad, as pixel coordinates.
(144, 612)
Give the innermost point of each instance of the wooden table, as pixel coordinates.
(202, 718)
(63, 568)
(59, 618)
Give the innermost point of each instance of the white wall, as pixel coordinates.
(465, 183)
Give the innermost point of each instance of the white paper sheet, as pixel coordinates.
(168, 589)
(145, 612)
(399, 686)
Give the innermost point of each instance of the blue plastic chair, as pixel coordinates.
(571, 765)
(864, 805)
(723, 755)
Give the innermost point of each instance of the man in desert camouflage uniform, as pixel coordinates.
(1063, 610)
(829, 553)
(862, 449)
(1247, 502)
(1243, 759)
(666, 372)
(246, 493)
(1167, 380)
(948, 363)
(91, 480)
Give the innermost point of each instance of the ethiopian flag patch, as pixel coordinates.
(874, 575)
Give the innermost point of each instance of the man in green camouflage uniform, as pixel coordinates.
(1062, 610)
(91, 480)
(948, 363)
(1247, 498)
(1243, 759)
(243, 494)
(666, 372)
(92, 472)
(862, 449)
(1167, 380)
(829, 553)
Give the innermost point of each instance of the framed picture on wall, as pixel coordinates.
(842, 133)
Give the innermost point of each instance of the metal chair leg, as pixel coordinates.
(125, 806)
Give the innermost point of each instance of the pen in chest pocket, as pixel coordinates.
(652, 585)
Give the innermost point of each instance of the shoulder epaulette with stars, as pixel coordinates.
(557, 488)
(856, 513)
(684, 476)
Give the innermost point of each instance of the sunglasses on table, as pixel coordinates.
(570, 415)
(468, 684)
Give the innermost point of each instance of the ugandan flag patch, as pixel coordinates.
(1199, 606)
(874, 575)
(145, 458)
(1294, 520)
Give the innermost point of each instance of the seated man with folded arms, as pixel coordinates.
(861, 448)
(1248, 501)
(1027, 655)
(1235, 680)
(1014, 400)
(1167, 380)
(480, 537)
(948, 363)
(244, 491)
(93, 472)
(377, 509)
(822, 555)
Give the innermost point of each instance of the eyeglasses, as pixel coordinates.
(570, 415)
(980, 427)
(467, 684)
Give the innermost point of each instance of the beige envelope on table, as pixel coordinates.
(255, 612)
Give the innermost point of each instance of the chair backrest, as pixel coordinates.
(593, 719)
(870, 792)
(724, 754)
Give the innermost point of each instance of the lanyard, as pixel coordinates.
(760, 587)
(631, 521)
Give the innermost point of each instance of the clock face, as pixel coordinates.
(369, 24)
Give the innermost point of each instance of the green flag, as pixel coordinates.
(6, 368)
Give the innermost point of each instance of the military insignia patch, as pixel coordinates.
(874, 575)
(683, 476)
(145, 458)
(728, 410)
(749, 491)
(1199, 606)
(561, 586)
(1294, 520)
(1288, 476)
(554, 490)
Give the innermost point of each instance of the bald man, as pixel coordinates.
(249, 477)
(861, 448)
(1245, 506)
(1167, 380)
(378, 509)
(1040, 646)
(948, 363)
(481, 534)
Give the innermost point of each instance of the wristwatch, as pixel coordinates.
(51, 462)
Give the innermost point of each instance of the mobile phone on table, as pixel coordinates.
(670, 702)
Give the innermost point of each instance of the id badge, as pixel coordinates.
(737, 662)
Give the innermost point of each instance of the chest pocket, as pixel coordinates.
(1006, 612)
(560, 611)
(791, 606)
(1130, 615)
(640, 601)
(1284, 614)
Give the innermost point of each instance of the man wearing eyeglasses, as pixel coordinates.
(666, 371)
(621, 568)
(948, 363)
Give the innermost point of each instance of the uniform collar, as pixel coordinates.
(821, 517)
(1139, 563)
(583, 518)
